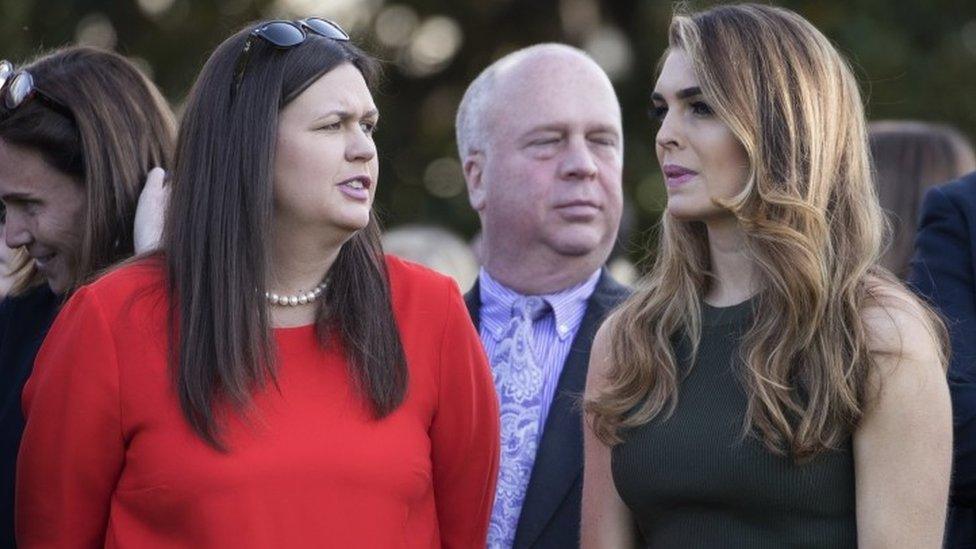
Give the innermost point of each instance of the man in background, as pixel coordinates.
(944, 271)
(540, 140)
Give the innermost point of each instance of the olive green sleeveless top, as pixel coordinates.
(693, 480)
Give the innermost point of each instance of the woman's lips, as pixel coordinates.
(44, 264)
(675, 175)
(356, 194)
(356, 188)
(679, 180)
(43, 261)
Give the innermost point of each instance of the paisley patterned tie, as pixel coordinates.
(518, 379)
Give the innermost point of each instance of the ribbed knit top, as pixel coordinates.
(693, 480)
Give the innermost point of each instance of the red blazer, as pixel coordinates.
(108, 460)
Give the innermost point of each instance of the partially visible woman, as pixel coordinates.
(80, 129)
(269, 379)
(770, 385)
(910, 157)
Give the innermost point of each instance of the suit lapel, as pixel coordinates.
(559, 461)
(473, 301)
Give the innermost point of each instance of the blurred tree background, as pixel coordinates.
(914, 59)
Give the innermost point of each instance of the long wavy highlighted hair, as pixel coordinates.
(813, 226)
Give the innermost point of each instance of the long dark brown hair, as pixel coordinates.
(120, 128)
(216, 241)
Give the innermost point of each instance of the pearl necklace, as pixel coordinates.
(302, 298)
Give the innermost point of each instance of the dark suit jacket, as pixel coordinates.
(551, 513)
(944, 271)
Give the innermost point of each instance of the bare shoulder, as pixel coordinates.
(897, 323)
(905, 339)
(903, 442)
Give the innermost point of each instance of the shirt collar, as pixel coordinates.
(568, 304)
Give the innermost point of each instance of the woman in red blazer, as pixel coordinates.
(268, 379)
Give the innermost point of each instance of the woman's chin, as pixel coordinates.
(682, 211)
(684, 214)
(349, 225)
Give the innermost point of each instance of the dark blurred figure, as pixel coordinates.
(944, 270)
(80, 129)
(910, 157)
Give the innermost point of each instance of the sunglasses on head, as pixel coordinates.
(17, 88)
(284, 35)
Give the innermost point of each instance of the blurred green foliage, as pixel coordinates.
(914, 59)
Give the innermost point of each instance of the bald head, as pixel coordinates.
(542, 149)
(533, 70)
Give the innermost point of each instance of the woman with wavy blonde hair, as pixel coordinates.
(769, 384)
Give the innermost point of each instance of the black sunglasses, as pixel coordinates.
(284, 35)
(17, 88)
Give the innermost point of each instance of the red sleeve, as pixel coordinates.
(464, 434)
(72, 450)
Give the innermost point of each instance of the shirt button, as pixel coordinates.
(563, 328)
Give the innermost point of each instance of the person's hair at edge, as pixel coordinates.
(813, 226)
(216, 241)
(122, 127)
(909, 158)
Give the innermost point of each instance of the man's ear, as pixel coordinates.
(473, 167)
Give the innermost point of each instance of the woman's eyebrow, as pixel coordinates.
(345, 115)
(682, 94)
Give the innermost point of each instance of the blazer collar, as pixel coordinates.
(559, 461)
